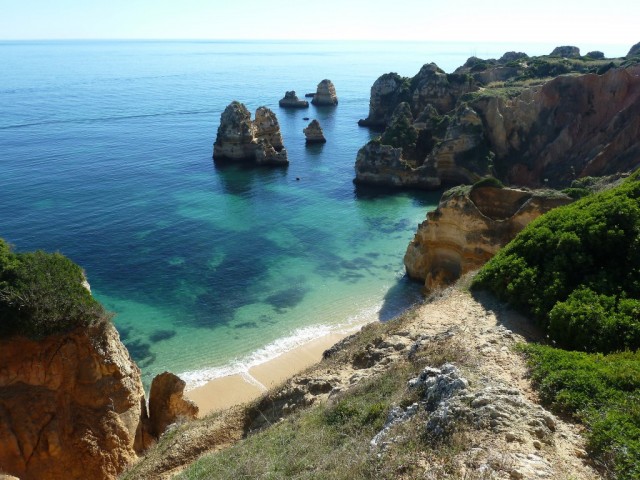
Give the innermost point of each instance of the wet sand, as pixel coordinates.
(231, 390)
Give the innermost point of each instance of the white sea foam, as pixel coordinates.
(297, 338)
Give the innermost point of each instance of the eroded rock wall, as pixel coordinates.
(469, 226)
(70, 405)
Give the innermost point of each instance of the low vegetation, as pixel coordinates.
(43, 293)
(603, 391)
(577, 271)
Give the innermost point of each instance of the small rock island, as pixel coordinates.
(291, 100)
(241, 139)
(313, 133)
(325, 94)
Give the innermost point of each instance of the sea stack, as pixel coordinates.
(313, 133)
(291, 100)
(241, 139)
(325, 94)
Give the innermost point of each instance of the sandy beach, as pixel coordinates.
(225, 392)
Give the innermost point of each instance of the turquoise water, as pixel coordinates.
(106, 157)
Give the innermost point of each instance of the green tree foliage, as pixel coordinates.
(577, 270)
(42, 293)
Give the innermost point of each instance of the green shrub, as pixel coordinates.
(603, 391)
(592, 248)
(43, 293)
(488, 182)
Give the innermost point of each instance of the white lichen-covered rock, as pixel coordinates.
(325, 94)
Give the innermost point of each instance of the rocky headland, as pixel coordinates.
(313, 133)
(325, 94)
(469, 226)
(241, 139)
(533, 122)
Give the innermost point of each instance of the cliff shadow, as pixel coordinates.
(404, 294)
(508, 317)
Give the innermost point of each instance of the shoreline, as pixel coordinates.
(238, 388)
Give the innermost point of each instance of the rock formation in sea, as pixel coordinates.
(313, 133)
(167, 403)
(291, 100)
(241, 139)
(70, 405)
(541, 135)
(469, 226)
(325, 94)
(566, 51)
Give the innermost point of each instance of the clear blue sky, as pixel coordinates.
(560, 21)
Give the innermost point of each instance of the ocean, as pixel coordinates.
(105, 156)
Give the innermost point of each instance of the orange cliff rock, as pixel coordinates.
(70, 405)
(469, 226)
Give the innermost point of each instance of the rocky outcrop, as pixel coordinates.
(313, 133)
(325, 94)
(596, 55)
(386, 93)
(70, 405)
(469, 226)
(635, 50)
(549, 135)
(167, 404)
(566, 51)
(241, 139)
(436, 88)
(379, 164)
(291, 100)
(571, 127)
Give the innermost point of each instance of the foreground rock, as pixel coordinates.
(325, 94)
(313, 133)
(291, 100)
(167, 403)
(241, 139)
(469, 226)
(70, 405)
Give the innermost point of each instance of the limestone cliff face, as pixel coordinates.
(469, 226)
(386, 93)
(571, 127)
(241, 139)
(434, 87)
(70, 405)
(167, 403)
(325, 94)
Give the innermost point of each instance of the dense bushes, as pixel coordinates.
(42, 293)
(577, 270)
(603, 391)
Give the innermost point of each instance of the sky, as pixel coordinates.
(561, 21)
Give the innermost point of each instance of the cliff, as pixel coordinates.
(241, 139)
(70, 405)
(542, 133)
(469, 226)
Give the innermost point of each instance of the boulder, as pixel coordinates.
(513, 57)
(566, 52)
(71, 405)
(167, 404)
(635, 50)
(313, 133)
(241, 139)
(469, 226)
(291, 100)
(325, 94)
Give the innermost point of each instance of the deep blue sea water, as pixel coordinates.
(105, 156)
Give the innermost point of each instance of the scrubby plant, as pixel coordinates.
(43, 293)
(603, 391)
(577, 270)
